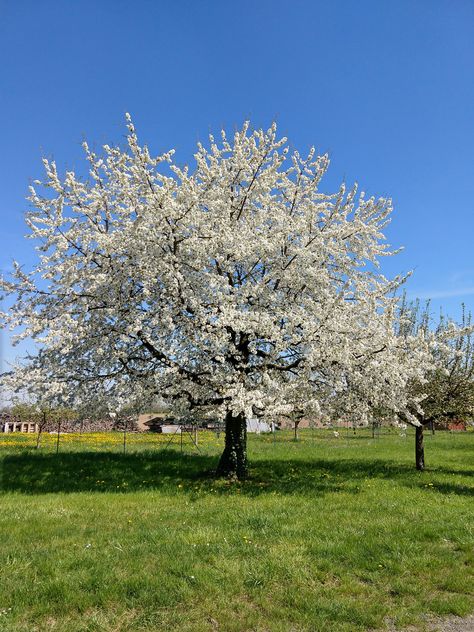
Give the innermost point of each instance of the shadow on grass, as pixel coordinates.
(452, 488)
(100, 471)
(109, 472)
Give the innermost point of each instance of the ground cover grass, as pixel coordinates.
(334, 534)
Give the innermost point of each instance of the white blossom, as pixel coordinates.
(237, 285)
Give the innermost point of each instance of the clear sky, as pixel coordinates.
(387, 88)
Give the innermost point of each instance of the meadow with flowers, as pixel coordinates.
(334, 533)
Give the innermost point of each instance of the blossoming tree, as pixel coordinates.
(446, 393)
(235, 287)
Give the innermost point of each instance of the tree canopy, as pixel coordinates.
(235, 287)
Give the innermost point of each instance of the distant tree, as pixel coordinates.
(219, 288)
(43, 416)
(29, 413)
(446, 392)
(38, 398)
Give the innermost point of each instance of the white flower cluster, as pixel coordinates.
(234, 286)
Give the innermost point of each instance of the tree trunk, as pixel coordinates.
(295, 438)
(233, 461)
(419, 449)
(41, 425)
(38, 437)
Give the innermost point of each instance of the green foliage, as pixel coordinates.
(41, 414)
(449, 386)
(333, 534)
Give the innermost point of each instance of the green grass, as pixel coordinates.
(328, 534)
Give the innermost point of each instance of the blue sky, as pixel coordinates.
(387, 88)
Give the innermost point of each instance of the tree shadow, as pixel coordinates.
(452, 488)
(171, 471)
(44, 473)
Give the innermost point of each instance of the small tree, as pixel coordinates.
(219, 287)
(30, 413)
(44, 416)
(37, 398)
(447, 389)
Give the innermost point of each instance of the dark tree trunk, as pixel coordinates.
(233, 462)
(41, 425)
(38, 436)
(419, 449)
(295, 438)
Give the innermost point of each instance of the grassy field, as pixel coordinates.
(333, 534)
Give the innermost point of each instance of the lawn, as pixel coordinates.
(333, 534)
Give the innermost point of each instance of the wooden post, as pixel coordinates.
(57, 440)
(40, 430)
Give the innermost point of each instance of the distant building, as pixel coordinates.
(457, 426)
(453, 425)
(8, 423)
(155, 422)
(256, 426)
